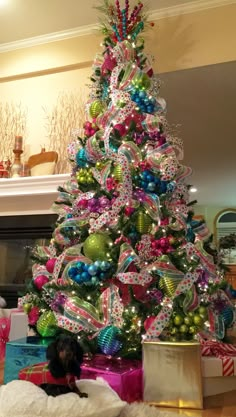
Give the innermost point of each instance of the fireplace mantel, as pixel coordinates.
(29, 195)
(11, 187)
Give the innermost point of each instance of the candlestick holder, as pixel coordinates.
(17, 164)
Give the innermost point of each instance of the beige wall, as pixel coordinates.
(209, 213)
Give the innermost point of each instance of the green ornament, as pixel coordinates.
(97, 246)
(96, 108)
(198, 320)
(27, 307)
(117, 173)
(143, 223)
(183, 328)
(178, 320)
(47, 324)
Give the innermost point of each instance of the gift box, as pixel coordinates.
(124, 376)
(23, 352)
(172, 374)
(13, 326)
(218, 367)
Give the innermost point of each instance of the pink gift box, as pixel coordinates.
(124, 376)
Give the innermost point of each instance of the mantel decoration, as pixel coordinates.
(43, 163)
(18, 150)
(13, 121)
(127, 260)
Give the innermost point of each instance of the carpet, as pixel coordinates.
(144, 410)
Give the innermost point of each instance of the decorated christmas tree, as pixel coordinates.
(127, 259)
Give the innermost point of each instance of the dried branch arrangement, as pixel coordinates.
(66, 115)
(13, 121)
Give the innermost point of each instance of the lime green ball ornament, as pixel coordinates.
(96, 108)
(47, 324)
(97, 247)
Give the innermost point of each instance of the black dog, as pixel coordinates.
(64, 356)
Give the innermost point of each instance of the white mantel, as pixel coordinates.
(29, 195)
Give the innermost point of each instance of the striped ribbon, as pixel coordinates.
(223, 351)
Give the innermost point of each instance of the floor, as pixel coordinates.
(223, 405)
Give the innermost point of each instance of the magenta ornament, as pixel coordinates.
(40, 281)
(50, 265)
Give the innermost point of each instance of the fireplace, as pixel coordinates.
(26, 220)
(18, 236)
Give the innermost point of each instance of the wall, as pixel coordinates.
(35, 76)
(209, 214)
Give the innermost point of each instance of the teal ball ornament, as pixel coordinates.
(227, 315)
(108, 340)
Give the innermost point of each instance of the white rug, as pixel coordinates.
(144, 410)
(24, 399)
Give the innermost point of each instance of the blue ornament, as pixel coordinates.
(108, 340)
(81, 158)
(79, 265)
(92, 270)
(227, 315)
(102, 276)
(72, 272)
(151, 186)
(98, 264)
(105, 265)
(85, 276)
(78, 279)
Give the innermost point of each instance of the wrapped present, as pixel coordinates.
(23, 352)
(172, 374)
(4, 335)
(124, 376)
(218, 367)
(226, 353)
(39, 374)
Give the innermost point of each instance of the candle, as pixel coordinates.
(18, 143)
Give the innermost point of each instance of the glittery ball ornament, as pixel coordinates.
(40, 281)
(46, 325)
(97, 246)
(50, 265)
(108, 340)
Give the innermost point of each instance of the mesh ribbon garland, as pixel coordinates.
(163, 317)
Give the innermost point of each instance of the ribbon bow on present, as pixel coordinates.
(223, 351)
(4, 335)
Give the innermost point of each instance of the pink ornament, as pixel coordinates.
(121, 129)
(40, 281)
(87, 125)
(148, 322)
(50, 265)
(129, 210)
(33, 315)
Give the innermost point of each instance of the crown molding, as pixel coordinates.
(186, 8)
(48, 38)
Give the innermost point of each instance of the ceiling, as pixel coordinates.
(200, 101)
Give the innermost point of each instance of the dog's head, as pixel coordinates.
(65, 352)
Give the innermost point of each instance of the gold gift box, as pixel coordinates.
(172, 374)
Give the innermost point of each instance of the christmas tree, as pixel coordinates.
(127, 259)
